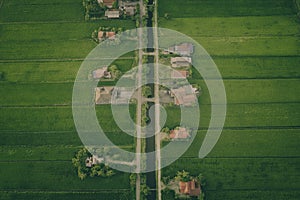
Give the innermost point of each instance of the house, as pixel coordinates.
(111, 35)
(181, 62)
(128, 6)
(103, 95)
(103, 35)
(185, 95)
(112, 14)
(101, 73)
(179, 74)
(191, 188)
(179, 133)
(93, 160)
(107, 3)
(130, 10)
(183, 49)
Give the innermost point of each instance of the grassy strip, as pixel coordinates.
(251, 143)
(245, 115)
(250, 46)
(242, 173)
(253, 194)
(47, 174)
(265, 90)
(66, 31)
(41, 49)
(112, 194)
(234, 26)
(44, 153)
(196, 8)
(258, 67)
(258, 91)
(60, 119)
(20, 12)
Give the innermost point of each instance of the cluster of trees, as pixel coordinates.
(79, 164)
(144, 188)
(145, 118)
(146, 91)
(106, 29)
(115, 72)
(183, 176)
(93, 9)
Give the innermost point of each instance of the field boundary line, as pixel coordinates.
(57, 59)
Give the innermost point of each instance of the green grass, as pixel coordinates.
(14, 11)
(104, 195)
(258, 67)
(235, 174)
(121, 195)
(62, 138)
(234, 26)
(63, 31)
(40, 72)
(40, 49)
(251, 143)
(53, 175)
(254, 194)
(37, 119)
(250, 46)
(204, 8)
(261, 115)
(36, 94)
(257, 91)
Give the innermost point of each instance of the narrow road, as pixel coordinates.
(139, 107)
(157, 105)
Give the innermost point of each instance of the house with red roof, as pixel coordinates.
(190, 188)
(179, 133)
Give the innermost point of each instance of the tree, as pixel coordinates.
(145, 189)
(168, 194)
(132, 179)
(146, 91)
(183, 176)
(165, 130)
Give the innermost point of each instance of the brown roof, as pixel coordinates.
(111, 35)
(190, 188)
(100, 34)
(108, 3)
(180, 133)
(179, 74)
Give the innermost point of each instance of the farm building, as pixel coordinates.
(102, 35)
(191, 188)
(185, 95)
(128, 6)
(93, 160)
(181, 62)
(112, 14)
(183, 49)
(179, 134)
(108, 3)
